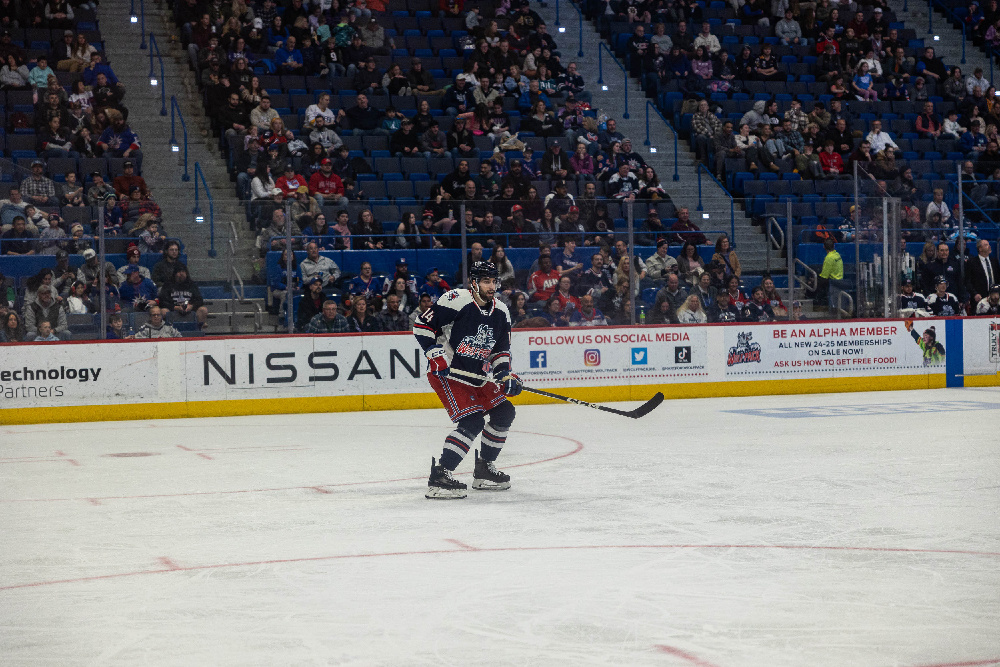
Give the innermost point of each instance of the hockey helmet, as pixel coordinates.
(480, 270)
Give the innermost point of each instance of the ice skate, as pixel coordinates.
(487, 477)
(441, 485)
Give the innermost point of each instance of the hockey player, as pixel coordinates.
(912, 304)
(942, 302)
(465, 336)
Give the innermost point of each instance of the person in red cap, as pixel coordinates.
(326, 186)
(518, 234)
(133, 255)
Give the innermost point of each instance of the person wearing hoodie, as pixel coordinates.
(755, 116)
(181, 297)
(156, 327)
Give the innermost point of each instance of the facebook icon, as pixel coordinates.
(537, 359)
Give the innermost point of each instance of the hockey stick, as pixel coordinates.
(638, 413)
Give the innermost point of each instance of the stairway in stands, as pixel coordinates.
(163, 168)
(749, 241)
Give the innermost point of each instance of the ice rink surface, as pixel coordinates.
(787, 531)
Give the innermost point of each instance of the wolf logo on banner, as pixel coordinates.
(745, 351)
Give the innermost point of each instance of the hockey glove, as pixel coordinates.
(510, 384)
(437, 362)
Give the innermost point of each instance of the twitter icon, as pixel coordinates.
(639, 357)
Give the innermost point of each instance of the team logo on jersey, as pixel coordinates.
(538, 359)
(639, 356)
(745, 351)
(591, 357)
(479, 346)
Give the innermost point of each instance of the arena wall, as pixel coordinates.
(202, 377)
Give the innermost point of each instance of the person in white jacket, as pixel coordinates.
(707, 39)
(156, 327)
(878, 139)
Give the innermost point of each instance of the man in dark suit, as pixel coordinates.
(982, 272)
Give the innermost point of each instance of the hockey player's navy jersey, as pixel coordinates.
(943, 307)
(914, 301)
(473, 339)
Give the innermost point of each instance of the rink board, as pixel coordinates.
(212, 377)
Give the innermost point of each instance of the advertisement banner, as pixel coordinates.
(981, 346)
(831, 349)
(63, 375)
(650, 355)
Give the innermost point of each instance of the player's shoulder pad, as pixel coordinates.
(455, 299)
(502, 307)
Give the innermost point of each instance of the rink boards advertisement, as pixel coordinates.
(198, 377)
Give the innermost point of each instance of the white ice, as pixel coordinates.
(787, 531)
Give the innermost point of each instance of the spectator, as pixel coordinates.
(317, 266)
(939, 206)
(263, 114)
(616, 303)
(660, 265)
(405, 142)
(788, 30)
(461, 143)
(365, 120)
(12, 330)
(38, 189)
(136, 290)
(460, 98)
(988, 306)
(723, 309)
(392, 318)
(690, 264)
(434, 142)
(757, 309)
(329, 320)
(18, 240)
(45, 308)
(434, 285)
(156, 327)
(133, 256)
(118, 140)
(555, 315)
(360, 320)
(691, 312)
(624, 184)
(543, 283)
(181, 297)
(368, 80)
(673, 294)
(705, 126)
(832, 163)
(311, 303)
(422, 306)
(164, 269)
(685, 230)
(766, 66)
(931, 66)
(587, 315)
(45, 334)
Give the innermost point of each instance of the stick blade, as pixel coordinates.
(647, 407)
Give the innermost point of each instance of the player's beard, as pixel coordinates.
(481, 298)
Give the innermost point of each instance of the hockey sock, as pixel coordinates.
(460, 441)
(494, 438)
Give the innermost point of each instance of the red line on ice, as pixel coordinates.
(432, 552)
(576, 450)
(169, 563)
(694, 660)
(463, 545)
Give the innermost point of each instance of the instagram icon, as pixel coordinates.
(591, 357)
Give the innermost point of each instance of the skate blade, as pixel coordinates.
(487, 485)
(436, 493)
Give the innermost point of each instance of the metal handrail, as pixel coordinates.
(173, 135)
(732, 202)
(778, 245)
(211, 207)
(153, 46)
(601, 46)
(579, 53)
(649, 104)
(810, 273)
(840, 299)
(135, 19)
